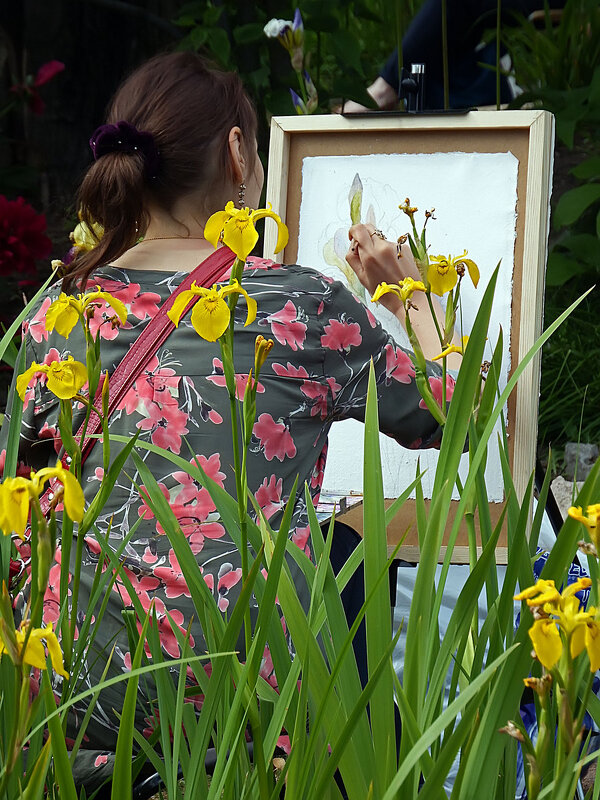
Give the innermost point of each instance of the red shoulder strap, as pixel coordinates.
(151, 338)
(145, 347)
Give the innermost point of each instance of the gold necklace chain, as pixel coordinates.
(182, 238)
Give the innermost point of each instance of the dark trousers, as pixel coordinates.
(470, 83)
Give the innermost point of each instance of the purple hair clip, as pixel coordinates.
(125, 138)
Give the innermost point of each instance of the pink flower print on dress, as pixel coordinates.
(36, 326)
(228, 577)
(50, 432)
(144, 510)
(398, 365)
(319, 393)
(202, 531)
(341, 336)
(209, 579)
(268, 496)
(172, 578)
(51, 607)
(97, 476)
(149, 557)
(436, 390)
(190, 520)
(275, 438)
(168, 640)
(287, 328)
(145, 305)
(267, 669)
(256, 262)
(166, 425)
(141, 584)
(301, 537)
(23, 471)
(370, 316)
(125, 292)
(241, 379)
(160, 386)
(192, 491)
(290, 371)
(102, 322)
(141, 305)
(316, 478)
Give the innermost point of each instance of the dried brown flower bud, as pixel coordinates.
(511, 729)
(588, 548)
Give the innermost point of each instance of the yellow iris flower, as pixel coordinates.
(72, 492)
(546, 641)
(565, 622)
(34, 653)
(16, 494)
(453, 348)
(84, 237)
(545, 637)
(14, 505)
(590, 519)
(543, 592)
(404, 289)
(235, 228)
(64, 378)
(210, 314)
(66, 311)
(442, 273)
(262, 348)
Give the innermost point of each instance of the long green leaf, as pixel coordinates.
(37, 777)
(434, 730)
(459, 623)
(11, 331)
(62, 768)
(378, 617)
(122, 769)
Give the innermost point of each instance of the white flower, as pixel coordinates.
(276, 27)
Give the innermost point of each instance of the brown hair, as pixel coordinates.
(189, 107)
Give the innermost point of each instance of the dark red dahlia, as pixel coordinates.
(22, 238)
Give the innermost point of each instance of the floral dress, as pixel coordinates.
(315, 374)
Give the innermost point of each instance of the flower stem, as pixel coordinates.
(239, 465)
(302, 85)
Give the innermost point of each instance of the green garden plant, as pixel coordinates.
(557, 65)
(335, 726)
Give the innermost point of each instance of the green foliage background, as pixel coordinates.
(557, 64)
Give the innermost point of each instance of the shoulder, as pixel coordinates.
(256, 266)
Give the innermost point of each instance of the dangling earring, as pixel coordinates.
(242, 194)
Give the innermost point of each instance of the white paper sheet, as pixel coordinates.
(474, 196)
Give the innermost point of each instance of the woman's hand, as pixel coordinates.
(374, 259)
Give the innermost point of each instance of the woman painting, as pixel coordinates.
(180, 143)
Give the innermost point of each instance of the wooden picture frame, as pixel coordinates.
(529, 137)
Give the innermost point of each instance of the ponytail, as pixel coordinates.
(187, 108)
(113, 195)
